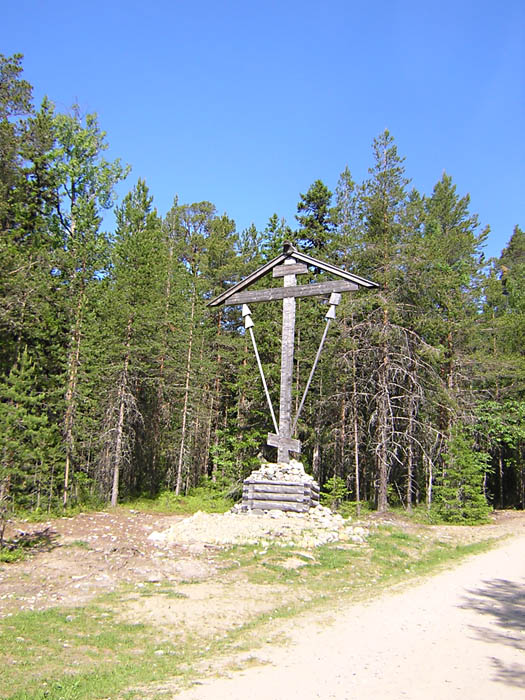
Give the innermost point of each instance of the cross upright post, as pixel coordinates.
(287, 351)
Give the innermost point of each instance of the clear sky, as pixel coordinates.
(247, 103)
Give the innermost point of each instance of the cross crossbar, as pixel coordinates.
(295, 269)
(288, 444)
(296, 290)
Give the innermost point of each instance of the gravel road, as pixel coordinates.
(459, 634)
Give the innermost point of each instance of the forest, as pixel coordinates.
(117, 381)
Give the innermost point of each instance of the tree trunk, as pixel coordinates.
(382, 418)
(410, 460)
(382, 459)
(316, 461)
(209, 424)
(71, 389)
(342, 436)
(356, 467)
(430, 477)
(382, 446)
(161, 413)
(121, 416)
(180, 464)
(500, 472)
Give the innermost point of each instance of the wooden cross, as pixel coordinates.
(291, 263)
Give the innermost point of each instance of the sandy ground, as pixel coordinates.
(460, 634)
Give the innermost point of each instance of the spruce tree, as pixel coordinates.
(459, 492)
(26, 466)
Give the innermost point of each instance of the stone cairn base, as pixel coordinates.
(279, 486)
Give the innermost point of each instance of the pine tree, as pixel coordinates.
(131, 307)
(383, 206)
(347, 397)
(315, 217)
(204, 245)
(512, 265)
(85, 186)
(442, 290)
(15, 103)
(501, 371)
(453, 247)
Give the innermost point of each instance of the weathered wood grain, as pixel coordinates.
(287, 351)
(289, 443)
(269, 487)
(284, 498)
(294, 269)
(299, 290)
(279, 505)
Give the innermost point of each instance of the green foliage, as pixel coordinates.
(7, 556)
(334, 492)
(315, 217)
(349, 509)
(25, 455)
(208, 498)
(502, 423)
(234, 455)
(459, 494)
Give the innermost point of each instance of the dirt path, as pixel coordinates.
(460, 634)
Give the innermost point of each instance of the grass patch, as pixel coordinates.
(7, 555)
(102, 654)
(422, 515)
(200, 498)
(70, 511)
(336, 569)
(79, 544)
(148, 590)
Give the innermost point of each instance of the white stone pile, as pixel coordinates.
(279, 471)
(306, 530)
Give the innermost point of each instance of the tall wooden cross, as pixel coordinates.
(288, 265)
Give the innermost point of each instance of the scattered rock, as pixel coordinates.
(315, 527)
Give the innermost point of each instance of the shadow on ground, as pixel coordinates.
(38, 541)
(504, 602)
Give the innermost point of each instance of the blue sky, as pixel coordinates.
(245, 104)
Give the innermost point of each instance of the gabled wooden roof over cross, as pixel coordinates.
(288, 264)
(289, 252)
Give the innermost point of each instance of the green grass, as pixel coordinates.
(390, 555)
(89, 653)
(205, 498)
(10, 555)
(421, 514)
(102, 654)
(153, 589)
(38, 515)
(201, 498)
(80, 544)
